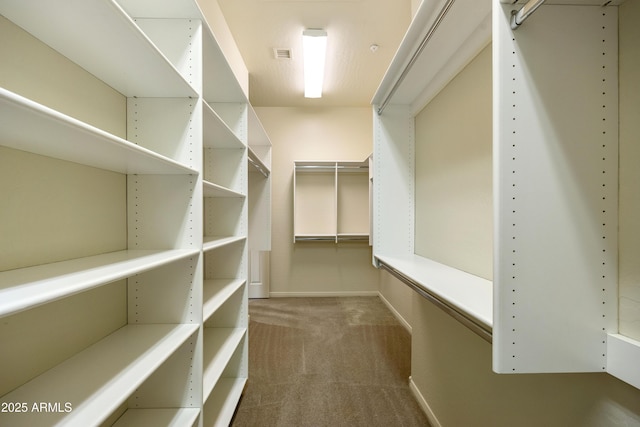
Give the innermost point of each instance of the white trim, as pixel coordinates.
(622, 361)
(433, 420)
(323, 294)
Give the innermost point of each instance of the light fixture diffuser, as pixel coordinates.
(314, 46)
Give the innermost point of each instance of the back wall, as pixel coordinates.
(315, 269)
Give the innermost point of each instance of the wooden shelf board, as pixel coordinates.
(25, 288)
(99, 379)
(28, 126)
(219, 346)
(80, 29)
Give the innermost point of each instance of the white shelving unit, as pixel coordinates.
(175, 350)
(331, 201)
(259, 157)
(555, 180)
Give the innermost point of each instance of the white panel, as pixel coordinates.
(169, 294)
(164, 211)
(226, 167)
(555, 154)
(623, 357)
(393, 182)
(180, 40)
(315, 207)
(223, 216)
(168, 126)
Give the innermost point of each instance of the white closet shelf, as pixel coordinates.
(222, 403)
(220, 82)
(28, 126)
(469, 295)
(170, 417)
(460, 36)
(24, 288)
(213, 242)
(216, 292)
(99, 379)
(219, 346)
(214, 190)
(216, 132)
(128, 61)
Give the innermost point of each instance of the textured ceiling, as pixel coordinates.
(353, 71)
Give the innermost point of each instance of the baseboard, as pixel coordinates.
(396, 313)
(423, 404)
(323, 294)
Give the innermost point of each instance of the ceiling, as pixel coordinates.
(352, 72)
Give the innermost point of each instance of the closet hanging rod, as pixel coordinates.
(518, 17)
(331, 167)
(462, 317)
(258, 167)
(443, 12)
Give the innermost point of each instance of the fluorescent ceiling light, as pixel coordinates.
(314, 46)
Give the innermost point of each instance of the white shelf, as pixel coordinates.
(171, 417)
(214, 190)
(99, 379)
(221, 405)
(463, 33)
(127, 60)
(469, 294)
(219, 346)
(28, 126)
(216, 132)
(25, 288)
(213, 242)
(216, 292)
(220, 82)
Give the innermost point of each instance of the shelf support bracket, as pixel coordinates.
(518, 17)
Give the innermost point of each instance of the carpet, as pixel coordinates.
(327, 362)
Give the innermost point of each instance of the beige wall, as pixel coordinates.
(314, 134)
(454, 215)
(451, 366)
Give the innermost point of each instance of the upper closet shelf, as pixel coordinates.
(441, 40)
(100, 378)
(467, 297)
(24, 288)
(28, 126)
(127, 61)
(217, 134)
(221, 83)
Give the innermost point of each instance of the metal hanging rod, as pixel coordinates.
(462, 317)
(258, 167)
(443, 12)
(518, 17)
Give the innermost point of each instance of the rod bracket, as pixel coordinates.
(519, 16)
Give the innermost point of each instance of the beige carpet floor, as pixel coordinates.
(327, 362)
